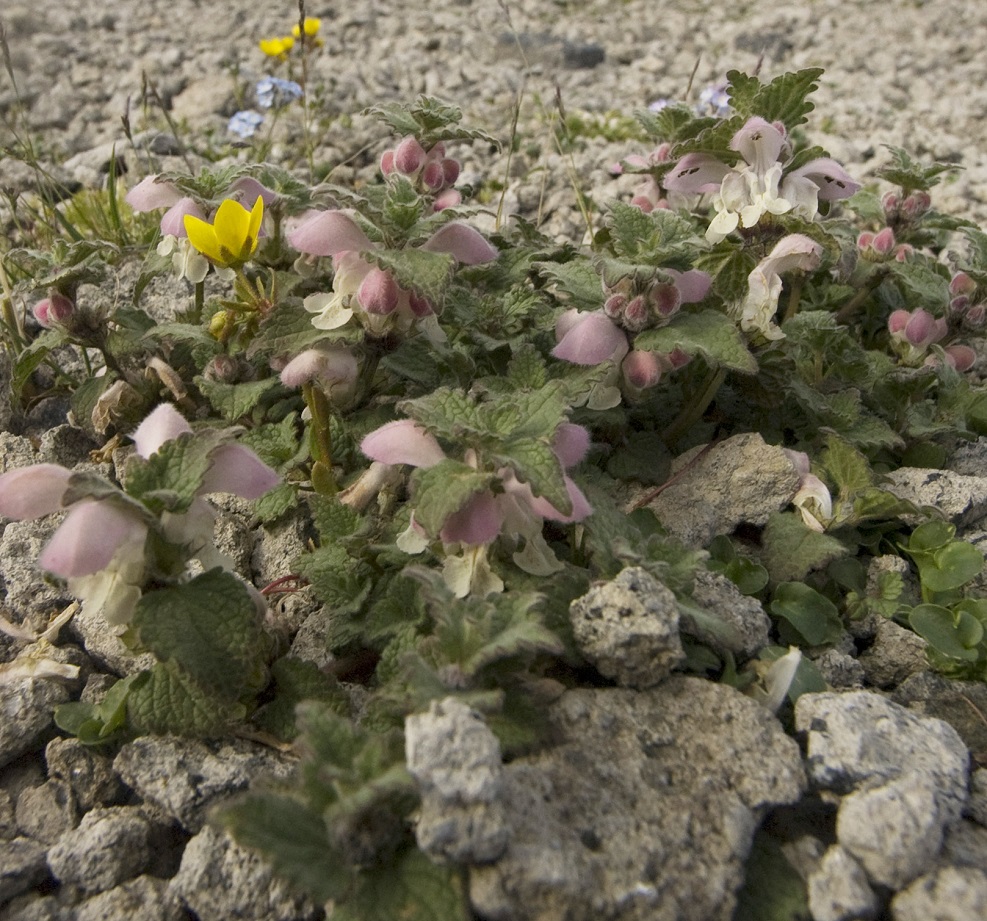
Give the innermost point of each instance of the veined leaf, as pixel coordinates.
(710, 334)
(442, 490)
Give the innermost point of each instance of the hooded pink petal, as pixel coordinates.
(173, 221)
(89, 538)
(462, 242)
(247, 190)
(327, 233)
(693, 285)
(477, 522)
(330, 365)
(236, 469)
(31, 492)
(580, 505)
(149, 194)
(834, 182)
(594, 339)
(163, 424)
(695, 174)
(759, 143)
(570, 444)
(402, 442)
(796, 251)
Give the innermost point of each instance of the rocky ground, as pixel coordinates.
(892, 763)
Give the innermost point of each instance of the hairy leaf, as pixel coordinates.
(710, 334)
(814, 616)
(792, 550)
(234, 401)
(170, 702)
(442, 490)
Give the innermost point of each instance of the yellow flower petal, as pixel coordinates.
(202, 235)
(278, 46)
(253, 228)
(312, 26)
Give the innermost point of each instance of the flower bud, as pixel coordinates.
(975, 317)
(641, 369)
(437, 151)
(447, 199)
(54, 310)
(890, 202)
(666, 299)
(961, 357)
(643, 202)
(378, 292)
(636, 314)
(432, 176)
(916, 204)
(222, 368)
(961, 283)
(614, 306)
(903, 252)
(218, 322)
(676, 359)
(898, 321)
(450, 171)
(420, 306)
(883, 241)
(958, 305)
(409, 156)
(923, 329)
(387, 162)
(865, 240)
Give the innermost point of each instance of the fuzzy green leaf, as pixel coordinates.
(172, 477)
(577, 282)
(413, 889)
(276, 502)
(630, 229)
(442, 490)
(338, 579)
(730, 266)
(535, 463)
(296, 680)
(910, 174)
(170, 702)
(784, 99)
(847, 466)
(534, 413)
(921, 285)
(792, 550)
(293, 837)
(527, 369)
(416, 270)
(814, 616)
(446, 412)
(211, 628)
(333, 520)
(234, 401)
(710, 334)
(289, 331)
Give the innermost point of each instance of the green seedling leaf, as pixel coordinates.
(954, 634)
(710, 334)
(210, 627)
(792, 550)
(950, 567)
(773, 889)
(442, 490)
(813, 616)
(96, 723)
(931, 536)
(413, 889)
(293, 837)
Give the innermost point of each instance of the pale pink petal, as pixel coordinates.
(580, 505)
(570, 319)
(641, 369)
(149, 194)
(693, 285)
(570, 444)
(795, 251)
(247, 190)
(327, 233)
(593, 340)
(695, 173)
(236, 469)
(89, 538)
(834, 182)
(173, 221)
(477, 522)
(163, 424)
(30, 492)
(759, 143)
(462, 242)
(402, 442)
(332, 364)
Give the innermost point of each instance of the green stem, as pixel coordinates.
(320, 440)
(793, 297)
(198, 302)
(857, 301)
(693, 410)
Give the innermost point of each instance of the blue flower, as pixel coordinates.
(245, 124)
(274, 93)
(715, 100)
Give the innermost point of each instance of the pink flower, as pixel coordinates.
(331, 366)
(588, 338)
(53, 310)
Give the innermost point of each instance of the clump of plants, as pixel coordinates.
(458, 412)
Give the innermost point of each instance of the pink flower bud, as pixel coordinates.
(916, 204)
(378, 292)
(961, 357)
(903, 252)
(433, 177)
(409, 156)
(641, 369)
(958, 305)
(975, 317)
(420, 306)
(921, 329)
(890, 202)
(883, 241)
(865, 240)
(643, 202)
(961, 283)
(636, 314)
(677, 359)
(898, 321)
(661, 154)
(437, 151)
(447, 199)
(614, 305)
(666, 299)
(387, 162)
(54, 310)
(450, 170)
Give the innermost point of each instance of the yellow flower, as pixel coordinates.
(231, 239)
(277, 47)
(312, 26)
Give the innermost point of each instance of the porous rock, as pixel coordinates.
(109, 846)
(860, 740)
(838, 889)
(45, 813)
(946, 894)
(615, 820)
(977, 806)
(455, 759)
(86, 770)
(141, 897)
(22, 867)
(962, 499)
(184, 778)
(629, 629)
(742, 480)
(220, 881)
(26, 709)
(896, 654)
(720, 597)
